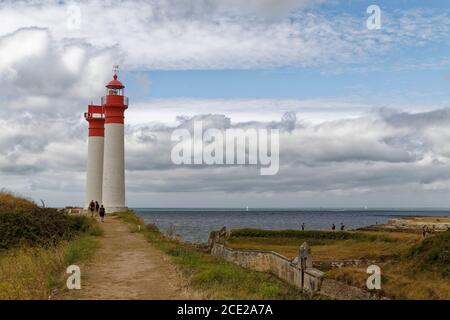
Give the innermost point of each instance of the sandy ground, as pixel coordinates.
(126, 266)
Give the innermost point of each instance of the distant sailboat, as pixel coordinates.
(247, 208)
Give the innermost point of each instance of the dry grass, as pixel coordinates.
(25, 272)
(399, 281)
(331, 249)
(403, 277)
(12, 202)
(31, 272)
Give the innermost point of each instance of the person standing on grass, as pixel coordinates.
(303, 226)
(102, 213)
(342, 227)
(92, 207)
(97, 208)
(333, 227)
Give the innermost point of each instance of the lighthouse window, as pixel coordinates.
(115, 92)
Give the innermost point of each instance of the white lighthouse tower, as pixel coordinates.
(114, 105)
(94, 177)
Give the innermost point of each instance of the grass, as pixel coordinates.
(421, 272)
(309, 235)
(411, 268)
(432, 254)
(214, 278)
(36, 246)
(326, 245)
(400, 280)
(32, 272)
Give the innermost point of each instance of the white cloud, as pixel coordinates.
(336, 147)
(32, 63)
(201, 34)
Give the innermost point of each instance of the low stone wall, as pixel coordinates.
(342, 291)
(274, 263)
(74, 211)
(331, 264)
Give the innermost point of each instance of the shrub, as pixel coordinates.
(432, 254)
(23, 222)
(310, 234)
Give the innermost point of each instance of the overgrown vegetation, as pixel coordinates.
(32, 272)
(420, 272)
(23, 223)
(412, 267)
(310, 234)
(432, 254)
(37, 244)
(215, 278)
(326, 245)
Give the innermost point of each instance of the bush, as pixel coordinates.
(25, 223)
(432, 254)
(310, 234)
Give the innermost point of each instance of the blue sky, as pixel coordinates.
(408, 85)
(408, 73)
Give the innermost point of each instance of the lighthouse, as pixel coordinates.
(94, 176)
(114, 105)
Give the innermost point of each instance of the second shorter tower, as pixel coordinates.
(94, 177)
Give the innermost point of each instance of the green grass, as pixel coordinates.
(432, 254)
(311, 234)
(37, 245)
(213, 277)
(32, 272)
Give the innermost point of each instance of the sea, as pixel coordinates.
(194, 225)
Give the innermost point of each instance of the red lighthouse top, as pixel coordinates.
(114, 103)
(115, 84)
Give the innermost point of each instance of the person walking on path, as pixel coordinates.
(333, 227)
(102, 213)
(97, 208)
(342, 227)
(92, 207)
(303, 226)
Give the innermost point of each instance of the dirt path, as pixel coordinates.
(126, 266)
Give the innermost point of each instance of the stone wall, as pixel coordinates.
(341, 291)
(274, 263)
(290, 272)
(298, 272)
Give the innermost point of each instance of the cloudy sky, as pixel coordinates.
(364, 115)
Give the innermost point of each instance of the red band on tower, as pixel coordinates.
(96, 118)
